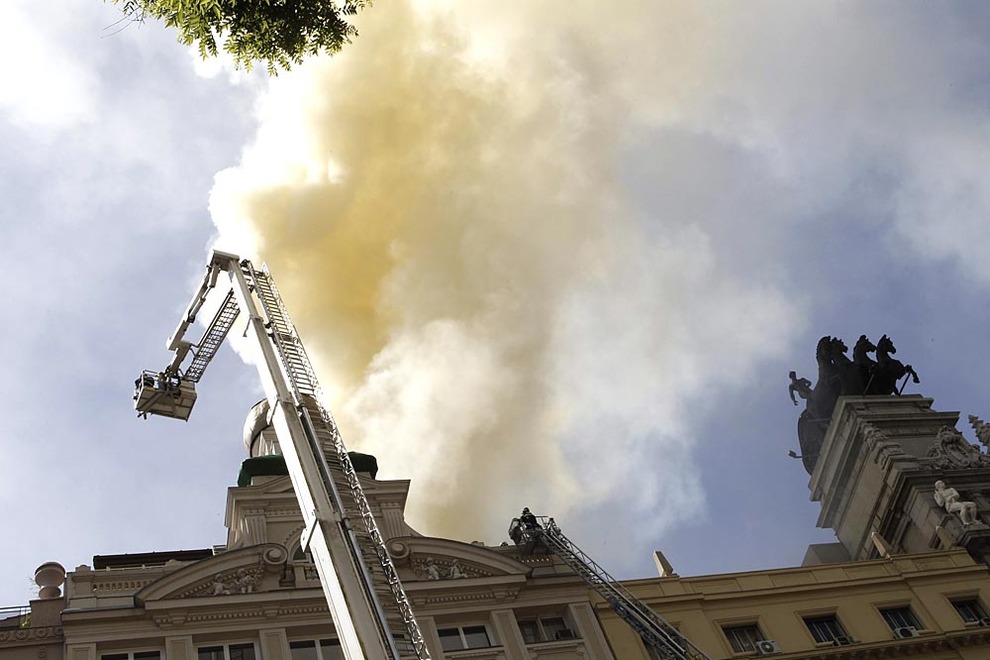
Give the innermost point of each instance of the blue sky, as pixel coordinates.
(540, 259)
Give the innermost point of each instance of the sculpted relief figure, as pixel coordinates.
(219, 588)
(455, 571)
(948, 498)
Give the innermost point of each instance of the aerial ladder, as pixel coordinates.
(540, 534)
(369, 607)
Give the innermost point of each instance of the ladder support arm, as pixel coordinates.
(219, 261)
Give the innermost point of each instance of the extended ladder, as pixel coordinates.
(369, 606)
(658, 635)
(340, 478)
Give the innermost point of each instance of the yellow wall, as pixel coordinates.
(779, 599)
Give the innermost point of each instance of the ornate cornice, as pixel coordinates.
(880, 446)
(535, 560)
(482, 595)
(255, 611)
(107, 587)
(544, 649)
(32, 635)
(283, 513)
(923, 645)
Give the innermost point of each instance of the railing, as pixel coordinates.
(17, 616)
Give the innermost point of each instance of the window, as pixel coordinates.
(825, 628)
(743, 638)
(269, 446)
(227, 652)
(970, 610)
(900, 617)
(464, 637)
(544, 629)
(134, 655)
(304, 559)
(530, 630)
(554, 628)
(311, 649)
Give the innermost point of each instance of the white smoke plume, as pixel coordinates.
(443, 207)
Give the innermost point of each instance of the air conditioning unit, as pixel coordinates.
(767, 647)
(841, 640)
(905, 631)
(565, 633)
(985, 621)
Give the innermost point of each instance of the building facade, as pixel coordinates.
(905, 493)
(931, 605)
(259, 596)
(908, 576)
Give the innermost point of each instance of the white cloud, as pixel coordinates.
(44, 85)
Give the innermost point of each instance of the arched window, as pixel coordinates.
(300, 556)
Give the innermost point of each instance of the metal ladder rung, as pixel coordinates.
(213, 338)
(399, 620)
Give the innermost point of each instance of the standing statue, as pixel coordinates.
(890, 370)
(948, 498)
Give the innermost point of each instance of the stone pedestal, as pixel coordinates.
(878, 465)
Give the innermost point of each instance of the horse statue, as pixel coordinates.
(826, 390)
(890, 370)
(867, 366)
(838, 375)
(846, 371)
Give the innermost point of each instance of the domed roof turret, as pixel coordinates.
(256, 422)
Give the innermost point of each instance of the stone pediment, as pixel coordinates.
(249, 570)
(429, 559)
